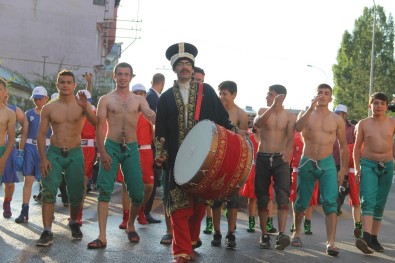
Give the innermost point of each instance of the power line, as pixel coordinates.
(46, 62)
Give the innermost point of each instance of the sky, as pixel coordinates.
(255, 43)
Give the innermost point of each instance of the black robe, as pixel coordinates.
(170, 125)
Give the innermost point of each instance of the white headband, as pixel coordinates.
(175, 57)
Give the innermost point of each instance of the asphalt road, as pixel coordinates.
(17, 241)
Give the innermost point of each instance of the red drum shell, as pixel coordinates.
(222, 171)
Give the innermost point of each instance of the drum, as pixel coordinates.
(213, 162)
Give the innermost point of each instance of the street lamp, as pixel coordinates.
(326, 77)
(372, 56)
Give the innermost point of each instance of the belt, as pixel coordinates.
(87, 142)
(270, 154)
(145, 147)
(34, 141)
(351, 170)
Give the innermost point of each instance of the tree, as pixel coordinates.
(352, 71)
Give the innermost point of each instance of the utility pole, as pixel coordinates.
(44, 57)
(372, 57)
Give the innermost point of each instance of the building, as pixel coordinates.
(43, 36)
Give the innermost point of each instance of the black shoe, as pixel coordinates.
(209, 226)
(363, 245)
(307, 227)
(152, 220)
(216, 242)
(230, 240)
(376, 246)
(264, 241)
(282, 241)
(358, 230)
(75, 230)
(197, 245)
(45, 240)
(37, 198)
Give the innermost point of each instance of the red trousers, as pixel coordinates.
(186, 227)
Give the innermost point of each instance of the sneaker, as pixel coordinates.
(363, 245)
(37, 198)
(269, 226)
(230, 240)
(7, 209)
(251, 224)
(45, 240)
(264, 241)
(376, 246)
(282, 241)
(216, 242)
(358, 229)
(307, 227)
(75, 231)
(198, 244)
(209, 226)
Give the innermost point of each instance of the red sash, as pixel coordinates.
(199, 102)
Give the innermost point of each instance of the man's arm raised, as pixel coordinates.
(304, 116)
(264, 115)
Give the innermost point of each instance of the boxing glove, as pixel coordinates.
(19, 160)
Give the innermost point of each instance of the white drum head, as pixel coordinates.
(193, 152)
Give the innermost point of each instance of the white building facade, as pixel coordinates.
(40, 37)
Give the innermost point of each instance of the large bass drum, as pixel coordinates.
(213, 162)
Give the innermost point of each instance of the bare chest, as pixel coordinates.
(69, 114)
(123, 107)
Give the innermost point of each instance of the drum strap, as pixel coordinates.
(199, 102)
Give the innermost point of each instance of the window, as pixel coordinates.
(99, 2)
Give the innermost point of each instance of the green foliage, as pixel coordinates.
(352, 71)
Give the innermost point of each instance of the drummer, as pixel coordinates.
(179, 109)
(227, 93)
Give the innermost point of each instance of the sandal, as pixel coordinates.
(133, 237)
(332, 250)
(296, 242)
(167, 239)
(96, 244)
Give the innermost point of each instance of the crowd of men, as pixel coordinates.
(137, 135)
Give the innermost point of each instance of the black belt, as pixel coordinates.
(270, 154)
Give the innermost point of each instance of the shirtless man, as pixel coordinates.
(374, 169)
(119, 110)
(319, 128)
(227, 93)
(273, 159)
(66, 116)
(7, 128)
